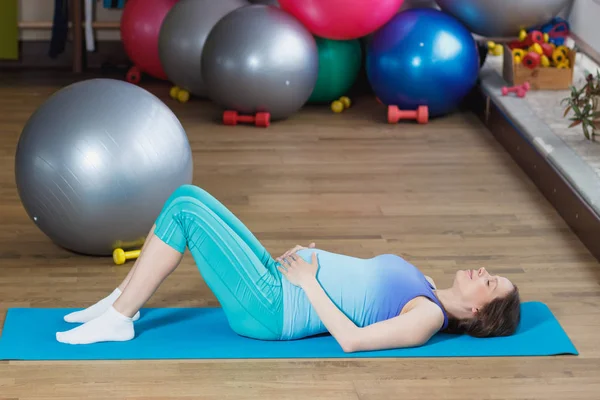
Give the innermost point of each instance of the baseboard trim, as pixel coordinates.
(574, 210)
(34, 54)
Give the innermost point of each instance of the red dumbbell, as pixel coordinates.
(134, 75)
(531, 38)
(262, 119)
(532, 60)
(520, 90)
(395, 114)
(548, 49)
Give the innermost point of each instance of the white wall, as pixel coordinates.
(584, 20)
(43, 10)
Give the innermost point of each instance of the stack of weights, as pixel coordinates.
(534, 50)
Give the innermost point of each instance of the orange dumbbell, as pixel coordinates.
(421, 114)
(262, 119)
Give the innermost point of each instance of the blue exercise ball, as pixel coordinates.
(422, 57)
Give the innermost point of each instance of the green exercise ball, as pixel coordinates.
(339, 65)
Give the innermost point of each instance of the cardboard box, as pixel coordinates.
(540, 78)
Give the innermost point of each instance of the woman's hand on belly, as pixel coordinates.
(294, 250)
(298, 271)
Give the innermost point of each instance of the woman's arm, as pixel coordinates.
(410, 329)
(337, 323)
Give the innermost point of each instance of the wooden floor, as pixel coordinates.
(444, 196)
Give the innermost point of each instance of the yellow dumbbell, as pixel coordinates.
(559, 55)
(544, 61)
(179, 94)
(120, 256)
(341, 104)
(564, 49)
(337, 106)
(345, 101)
(495, 48)
(518, 55)
(536, 48)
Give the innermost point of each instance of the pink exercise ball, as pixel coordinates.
(140, 28)
(342, 19)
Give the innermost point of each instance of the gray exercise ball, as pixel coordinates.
(182, 36)
(260, 59)
(502, 18)
(96, 162)
(266, 2)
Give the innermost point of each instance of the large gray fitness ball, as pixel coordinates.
(260, 59)
(266, 2)
(96, 162)
(502, 17)
(182, 36)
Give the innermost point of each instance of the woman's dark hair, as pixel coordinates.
(500, 317)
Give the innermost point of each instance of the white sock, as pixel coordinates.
(97, 309)
(111, 326)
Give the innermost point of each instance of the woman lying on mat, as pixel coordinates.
(365, 304)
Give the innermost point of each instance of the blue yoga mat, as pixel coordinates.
(203, 333)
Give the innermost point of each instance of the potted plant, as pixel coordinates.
(584, 104)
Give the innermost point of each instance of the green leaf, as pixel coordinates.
(575, 123)
(586, 133)
(567, 111)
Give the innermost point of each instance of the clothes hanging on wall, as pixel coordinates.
(60, 28)
(114, 3)
(89, 31)
(9, 30)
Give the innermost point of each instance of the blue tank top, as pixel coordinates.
(365, 290)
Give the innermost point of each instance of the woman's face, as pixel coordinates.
(478, 288)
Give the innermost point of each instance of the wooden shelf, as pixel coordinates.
(48, 25)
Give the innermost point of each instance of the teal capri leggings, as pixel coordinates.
(236, 267)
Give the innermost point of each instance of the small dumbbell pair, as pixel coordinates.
(519, 90)
(495, 49)
(341, 104)
(179, 94)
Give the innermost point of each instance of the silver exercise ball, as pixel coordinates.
(260, 59)
(96, 162)
(502, 18)
(266, 2)
(182, 36)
